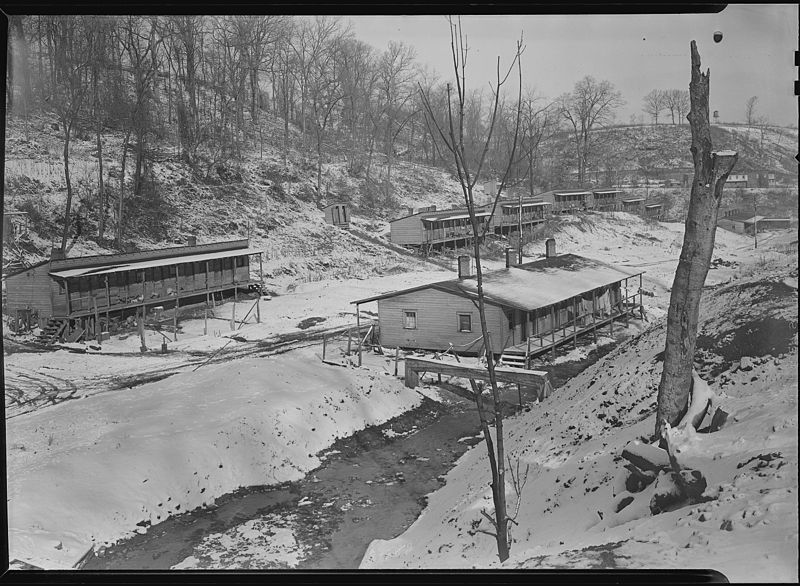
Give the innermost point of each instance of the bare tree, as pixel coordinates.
(750, 116)
(539, 124)
(677, 102)
(395, 90)
(654, 103)
(325, 94)
(73, 51)
(591, 104)
(468, 169)
(711, 170)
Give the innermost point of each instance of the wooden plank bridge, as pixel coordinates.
(531, 378)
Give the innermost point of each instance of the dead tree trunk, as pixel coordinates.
(711, 170)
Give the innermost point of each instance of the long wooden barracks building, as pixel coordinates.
(64, 294)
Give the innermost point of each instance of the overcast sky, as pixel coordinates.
(637, 53)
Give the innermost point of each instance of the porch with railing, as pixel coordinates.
(536, 345)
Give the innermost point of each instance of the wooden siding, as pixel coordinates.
(437, 322)
(406, 231)
(30, 290)
(337, 214)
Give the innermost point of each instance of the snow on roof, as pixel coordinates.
(146, 264)
(634, 200)
(532, 285)
(572, 192)
(608, 191)
(526, 205)
(653, 205)
(454, 217)
(723, 153)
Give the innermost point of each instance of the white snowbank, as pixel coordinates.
(86, 472)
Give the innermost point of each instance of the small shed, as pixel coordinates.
(338, 214)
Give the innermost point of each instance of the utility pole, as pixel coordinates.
(519, 226)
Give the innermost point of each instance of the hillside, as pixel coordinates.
(276, 205)
(259, 197)
(577, 510)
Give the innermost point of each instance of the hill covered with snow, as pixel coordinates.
(576, 508)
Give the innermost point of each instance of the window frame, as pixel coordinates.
(462, 314)
(405, 318)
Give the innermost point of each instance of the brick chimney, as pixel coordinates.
(464, 266)
(512, 257)
(410, 211)
(56, 253)
(191, 240)
(550, 247)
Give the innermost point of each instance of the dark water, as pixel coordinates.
(377, 485)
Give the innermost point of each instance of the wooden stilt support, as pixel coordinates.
(594, 316)
(205, 317)
(96, 322)
(177, 305)
(233, 314)
(553, 329)
(396, 359)
(141, 330)
(625, 303)
(641, 302)
(574, 322)
(108, 304)
(350, 341)
(324, 345)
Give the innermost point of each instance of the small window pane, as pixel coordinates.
(464, 322)
(410, 320)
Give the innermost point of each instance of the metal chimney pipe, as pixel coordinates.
(550, 247)
(464, 266)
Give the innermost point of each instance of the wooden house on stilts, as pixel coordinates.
(531, 308)
(90, 293)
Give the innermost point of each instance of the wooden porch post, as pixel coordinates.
(69, 302)
(641, 302)
(96, 321)
(553, 329)
(594, 315)
(574, 322)
(625, 303)
(108, 304)
(260, 288)
(177, 303)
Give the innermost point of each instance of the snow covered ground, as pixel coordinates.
(87, 472)
(573, 512)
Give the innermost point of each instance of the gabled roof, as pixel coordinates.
(529, 286)
(633, 200)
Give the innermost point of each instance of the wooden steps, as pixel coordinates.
(51, 332)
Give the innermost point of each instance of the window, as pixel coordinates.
(464, 322)
(241, 261)
(409, 320)
(510, 315)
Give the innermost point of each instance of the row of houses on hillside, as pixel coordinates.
(427, 228)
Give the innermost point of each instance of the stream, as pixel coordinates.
(372, 485)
